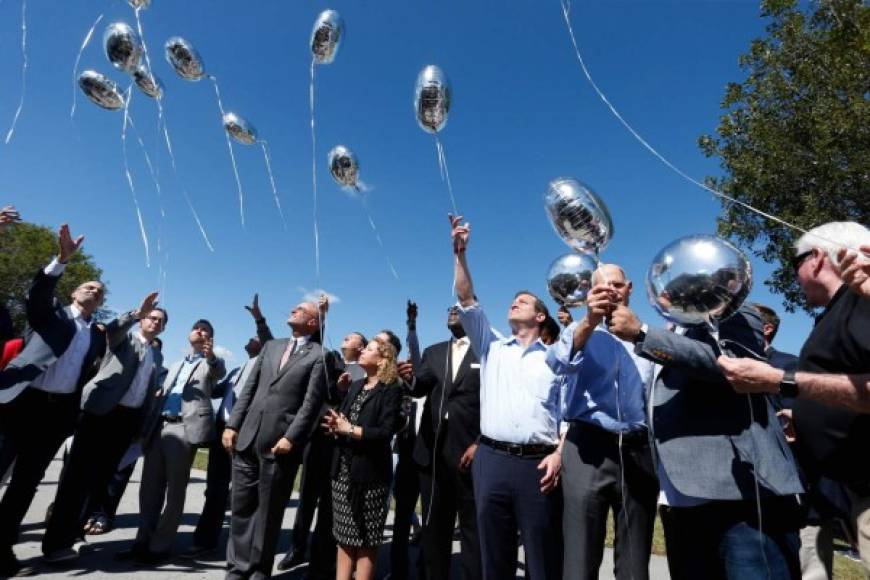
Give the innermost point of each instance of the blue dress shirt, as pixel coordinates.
(172, 406)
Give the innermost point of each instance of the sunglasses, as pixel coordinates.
(799, 259)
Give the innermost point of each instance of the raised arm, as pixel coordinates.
(412, 341)
(461, 277)
(264, 333)
(39, 302)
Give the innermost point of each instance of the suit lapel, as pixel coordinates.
(300, 353)
(463, 367)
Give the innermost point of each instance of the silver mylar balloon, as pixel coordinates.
(184, 59)
(432, 96)
(147, 82)
(137, 4)
(698, 280)
(569, 279)
(578, 215)
(344, 166)
(239, 129)
(123, 46)
(101, 90)
(326, 36)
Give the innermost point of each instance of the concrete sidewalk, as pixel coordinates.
(98, 561)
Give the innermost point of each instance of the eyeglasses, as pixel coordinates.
(799, 259)
(453, 310)
(157, 319)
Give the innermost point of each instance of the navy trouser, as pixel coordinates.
(507, 492)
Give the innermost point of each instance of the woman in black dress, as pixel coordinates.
(362, 466)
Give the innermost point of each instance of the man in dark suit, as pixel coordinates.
(275, 414)
(722, 457)
(41, 387)
(449, 377)
(114, 408)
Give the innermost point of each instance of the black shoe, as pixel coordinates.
(149, 558)
(130, 554)
(195, 552)
(292, 559)
(11, 567)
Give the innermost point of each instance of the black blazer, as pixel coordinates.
(50, 329)
(380, 418)
(461, 403)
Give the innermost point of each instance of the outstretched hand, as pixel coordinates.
(459, 233)
(254, 308)
(411, 311)
(66, 245)
(855, 270)
(148, 304)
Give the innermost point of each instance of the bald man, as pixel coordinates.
(276, 412)
(606, 458)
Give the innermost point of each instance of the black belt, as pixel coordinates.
(633, 437)
(172, 418)
(519, 449)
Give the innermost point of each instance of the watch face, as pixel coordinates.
(788, 389)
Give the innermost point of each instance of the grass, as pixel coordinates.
(844, 569)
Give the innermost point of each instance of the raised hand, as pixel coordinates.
(855, 270)
(623, 323)
(564, 315)
(459, 233)
(148, 304)
(600, 304)
(323, 304)
(66, 245)
(254, 308)
(411, 311)
(208, 349)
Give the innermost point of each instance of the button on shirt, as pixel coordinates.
(519, 386)
(135, 395)
(172, 406)
(606, 383)
(62, 376)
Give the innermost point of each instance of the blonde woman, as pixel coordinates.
(362, 466)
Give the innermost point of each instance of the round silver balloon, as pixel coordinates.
(326, 36)
(569, 279)
(137, 4)
(147, 82)
(123, 46)
(101, 90)
(578, 215)
(344, 166)
(432, 95)
(239, 129)
(184, 59)
(698, 280)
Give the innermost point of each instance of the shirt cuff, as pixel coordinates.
(54, 268)
(473, 306)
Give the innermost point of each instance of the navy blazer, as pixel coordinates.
(50, 329)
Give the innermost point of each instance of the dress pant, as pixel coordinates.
(507, 494)
(595, 479)
(106, 503)
(165, 475)
(261, 489)
(316, 463)
(34, 425)
(98, 446)
(406, 490)
(720, 540)
(446, 493)
(217, 491)
(321, 564)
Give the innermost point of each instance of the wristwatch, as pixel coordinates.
(641, 334)
(788, 386)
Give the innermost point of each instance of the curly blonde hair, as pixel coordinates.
(388, 371)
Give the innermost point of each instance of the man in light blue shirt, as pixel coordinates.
(606, 458)
(516, 467)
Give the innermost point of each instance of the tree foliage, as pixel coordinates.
(794, 140)
(24, 249)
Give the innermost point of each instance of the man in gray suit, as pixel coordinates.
(727, 475)
(277, 410)
(186, 421)
(114, 407)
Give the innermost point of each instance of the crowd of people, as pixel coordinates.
(750, 456)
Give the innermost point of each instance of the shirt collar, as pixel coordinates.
(141, 338)
(512, 339)
(193, 357)
(460, 341)
(79, 315)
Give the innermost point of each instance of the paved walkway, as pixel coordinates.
(98, 562)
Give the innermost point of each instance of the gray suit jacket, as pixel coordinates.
(701, 428)
(280, 403)
(124, 352)
(196, 410)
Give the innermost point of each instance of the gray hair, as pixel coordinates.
(832, 237)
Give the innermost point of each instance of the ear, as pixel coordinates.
(540, 317)
(820, 261)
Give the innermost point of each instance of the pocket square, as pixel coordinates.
(475, 365)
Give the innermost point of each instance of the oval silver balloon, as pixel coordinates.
(184, 59)
(698, 280)
(137, 4)
(326, 36)
(578, 215)
(123, 46)
(432, 95)
(101, 90)
(239, 129)
(569, 278)
(344, 166)
(147, 82)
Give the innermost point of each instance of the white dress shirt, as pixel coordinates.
(135, 395)
(62, 376)
(235, 389)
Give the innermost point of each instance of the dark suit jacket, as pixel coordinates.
(280, 403)
(701, 427)
(50, 329)
(380, 419)
(461, 403)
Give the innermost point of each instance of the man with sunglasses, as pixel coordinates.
(115, 405)
(831, 388)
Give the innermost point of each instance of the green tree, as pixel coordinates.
(24, 249)
(794, 139)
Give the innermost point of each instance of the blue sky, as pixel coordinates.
(522, 115)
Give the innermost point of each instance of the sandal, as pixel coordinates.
(89, 524)
(101, 525)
